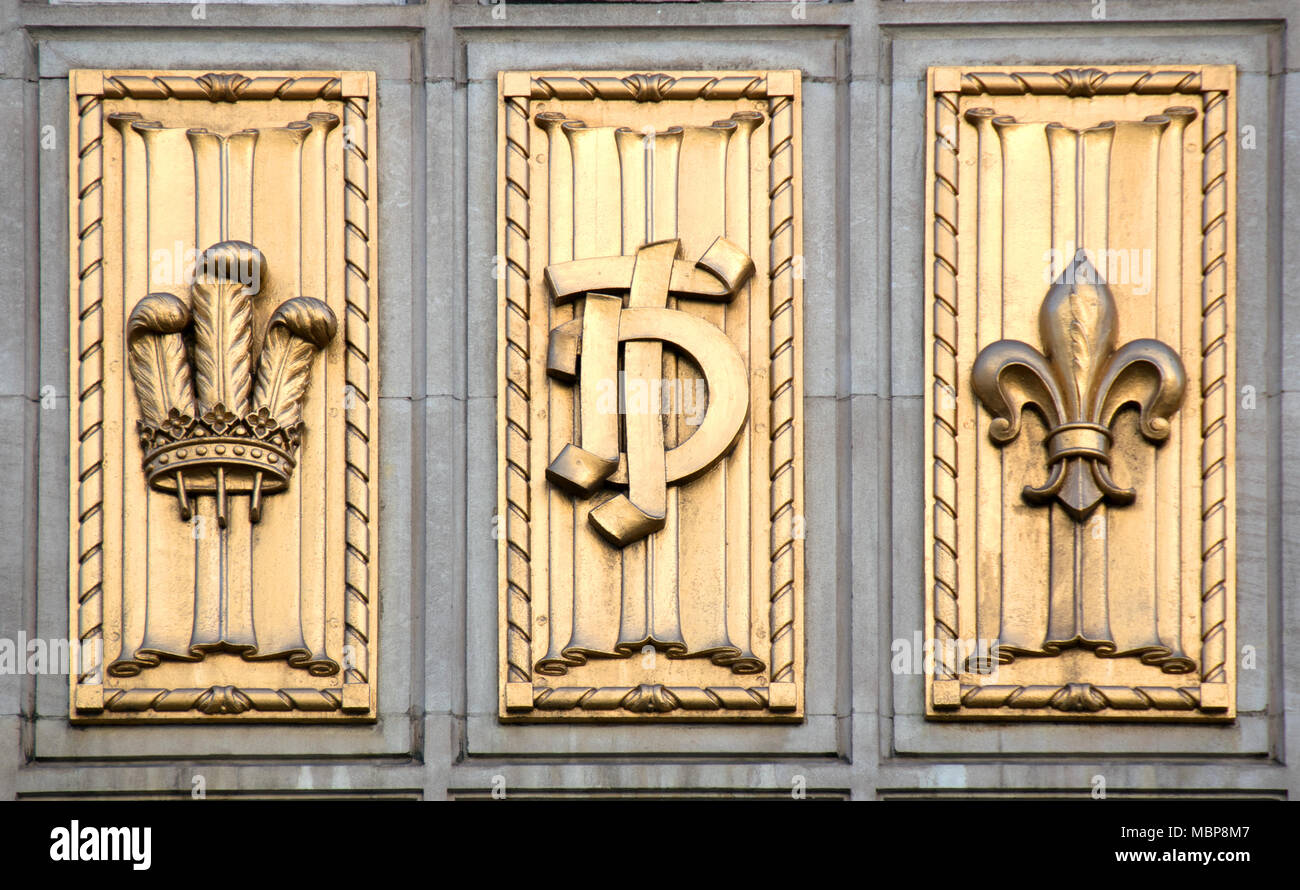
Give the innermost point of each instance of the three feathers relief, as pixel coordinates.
(214, 331)
(220, 317)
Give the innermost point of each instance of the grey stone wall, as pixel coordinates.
(864, 67)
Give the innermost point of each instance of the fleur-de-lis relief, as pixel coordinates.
(1078, 383)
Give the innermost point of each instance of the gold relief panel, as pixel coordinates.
(223, 367)
(1080, 436)
(650, 396)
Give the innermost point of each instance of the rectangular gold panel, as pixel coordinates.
(1079, 448)
(224, 373)
(650, 396)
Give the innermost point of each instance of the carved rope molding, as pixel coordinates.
(1082, 697)
(652, 698)
(90, 389)
(519, 609)
(649, 87)
(1214, 356)
(1214, 389)
(90, 381)
(221, 87)
(781, 382)
(357, 340)
(515, 481)
(944, 422)
(1080, 82)
(215, 700)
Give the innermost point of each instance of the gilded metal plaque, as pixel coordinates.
(223, 520)
(1080, 437)
(649, 396)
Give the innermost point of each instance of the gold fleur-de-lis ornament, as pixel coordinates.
(1079, 383)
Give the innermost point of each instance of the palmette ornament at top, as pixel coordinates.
(223, 432)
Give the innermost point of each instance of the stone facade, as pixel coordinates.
(438, 736)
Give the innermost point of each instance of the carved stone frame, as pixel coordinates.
(781, 700)
(91, 699)
(946, 696)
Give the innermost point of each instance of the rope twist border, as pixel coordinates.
(649, 87)
(1080, 82)
(944, 384)
(357, 384)
(221, 87)
(215, 700)
(1082, 697)
(1214, 389)
(517, 434)
(651, 698)
(89, 381)
(781, 237)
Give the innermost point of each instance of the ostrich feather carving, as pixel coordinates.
(157, 357)
(227, 276)
(298, 329)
